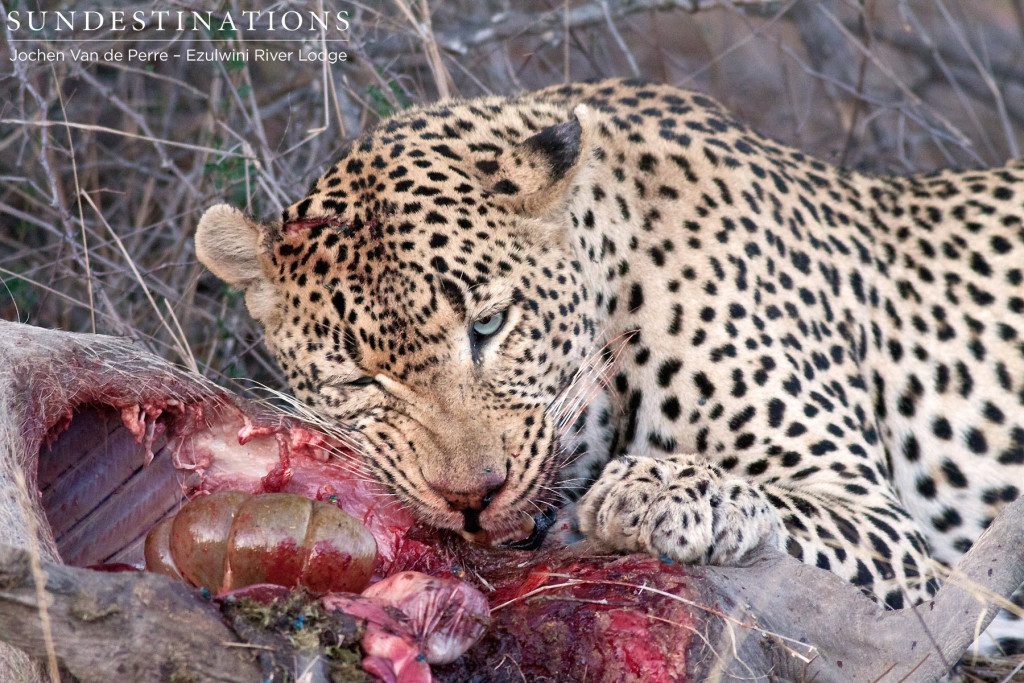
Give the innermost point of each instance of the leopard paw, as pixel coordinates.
(679, 507)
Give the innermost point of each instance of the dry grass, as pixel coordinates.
(106, 167)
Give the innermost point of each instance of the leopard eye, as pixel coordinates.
(490, 326)
(362, 382)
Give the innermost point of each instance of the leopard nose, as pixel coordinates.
(473, 499)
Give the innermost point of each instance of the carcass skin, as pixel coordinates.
(561, 613)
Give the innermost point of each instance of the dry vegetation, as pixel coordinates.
(106, 167)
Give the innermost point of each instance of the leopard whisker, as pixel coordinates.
(595, 378)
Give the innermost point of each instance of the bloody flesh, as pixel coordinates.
(554, 615)
(593, 619)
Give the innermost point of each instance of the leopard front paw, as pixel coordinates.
(679, 507)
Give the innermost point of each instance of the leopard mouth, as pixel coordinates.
(527, 536)
(542, 523)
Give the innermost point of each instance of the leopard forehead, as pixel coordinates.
(425, 164)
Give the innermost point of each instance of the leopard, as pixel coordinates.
(614, 302)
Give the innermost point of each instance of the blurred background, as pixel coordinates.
(105, 167)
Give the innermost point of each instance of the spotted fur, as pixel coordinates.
(766, 348)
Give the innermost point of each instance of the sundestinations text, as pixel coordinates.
(176, 20)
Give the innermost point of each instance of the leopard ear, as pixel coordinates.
(228, 243)
(534, 176)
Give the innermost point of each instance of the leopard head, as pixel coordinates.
(425, 296)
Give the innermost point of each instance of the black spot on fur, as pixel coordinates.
(453, 294)
(505, 186)
(667, 371)
(488, 166)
